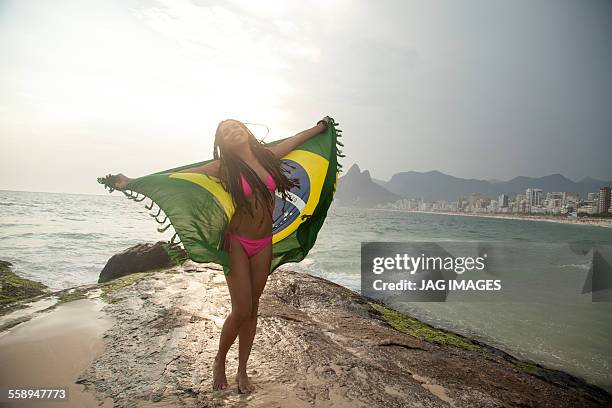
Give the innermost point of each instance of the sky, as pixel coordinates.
(483, 89)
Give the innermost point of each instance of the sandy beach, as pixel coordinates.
(52, 349)
(594, 222)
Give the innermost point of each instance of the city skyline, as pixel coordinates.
(534, 201)
(435, 190)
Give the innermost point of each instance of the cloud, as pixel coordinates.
(229, 36)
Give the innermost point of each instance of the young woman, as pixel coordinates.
(251, 171)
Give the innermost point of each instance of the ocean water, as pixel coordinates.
(64, 240)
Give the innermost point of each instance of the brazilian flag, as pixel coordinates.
(199, 208)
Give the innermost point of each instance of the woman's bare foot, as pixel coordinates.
(244, 383)
(219, 379)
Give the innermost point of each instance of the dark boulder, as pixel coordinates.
(139, 258)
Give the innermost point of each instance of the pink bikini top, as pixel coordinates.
(248, 191)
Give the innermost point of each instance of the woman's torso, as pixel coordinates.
(259, 224)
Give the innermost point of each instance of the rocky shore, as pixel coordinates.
(318, 344)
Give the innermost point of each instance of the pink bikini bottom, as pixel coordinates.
(250, 246)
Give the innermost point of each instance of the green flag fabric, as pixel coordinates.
(199, 208)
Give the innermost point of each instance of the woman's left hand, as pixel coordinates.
(324, 121)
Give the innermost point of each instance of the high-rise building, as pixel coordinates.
(603, 201)
(473, 199)
(534, 197)
(570, 197)
(502, 201)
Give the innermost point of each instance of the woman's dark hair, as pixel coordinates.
(231, 165)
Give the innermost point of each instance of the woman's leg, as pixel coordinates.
(239, 284)
(260, 268)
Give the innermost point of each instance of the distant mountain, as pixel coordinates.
(554, 182)
(594, 184)
(356, 188)
(434, 185)
(379, 182)
(360, 189)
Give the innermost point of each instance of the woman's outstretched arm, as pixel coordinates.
(210, 169)
(120, 180)
(282, 149)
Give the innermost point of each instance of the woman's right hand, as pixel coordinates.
(121, 181)
(115, 182)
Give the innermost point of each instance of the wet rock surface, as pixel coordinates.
(14, 288)
(317, 344)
